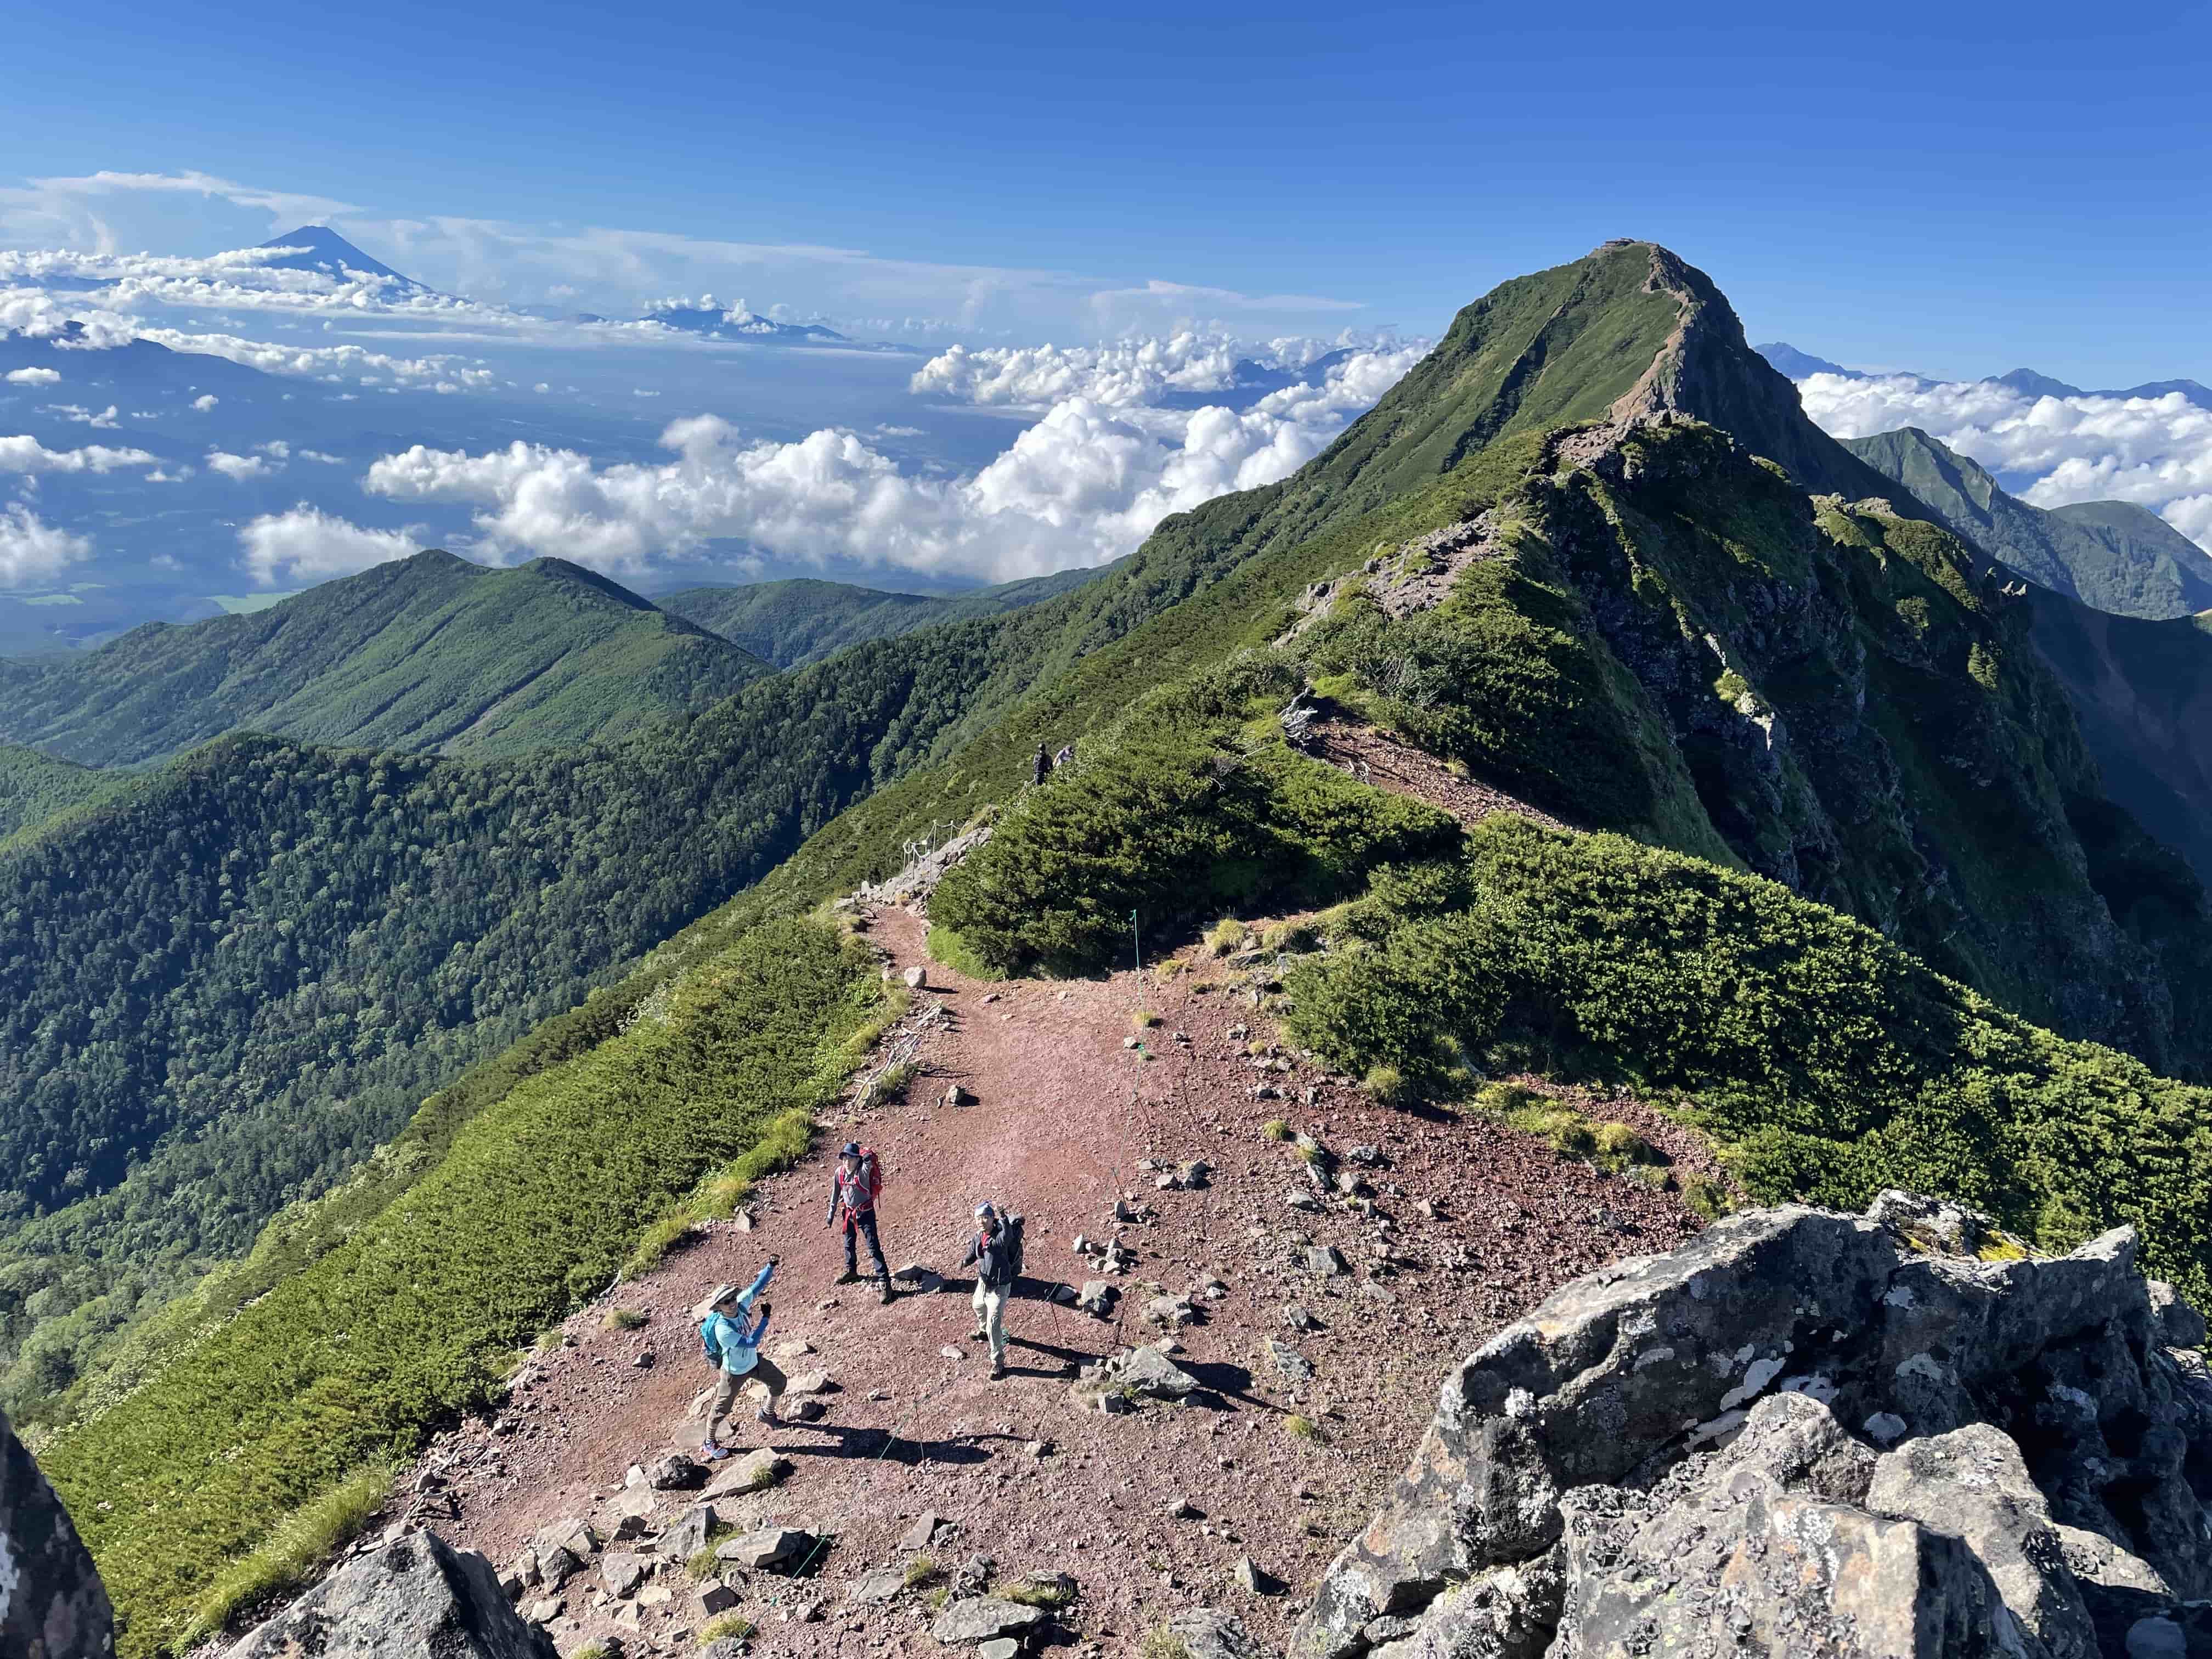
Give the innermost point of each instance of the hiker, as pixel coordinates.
(858, 1182)
(995, 1253)
(731, 1335)
(1066, 757)
(1041, 767)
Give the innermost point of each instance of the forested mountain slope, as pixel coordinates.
(1635, 623)
(34, 787)
(792, 623)
(431, 653)
(2112, 556)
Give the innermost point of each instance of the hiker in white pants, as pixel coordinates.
(991, 1253)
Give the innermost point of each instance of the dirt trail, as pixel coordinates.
(1482, 1223)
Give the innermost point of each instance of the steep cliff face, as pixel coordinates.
(1821, 690)
(53, 1605)
(1807, 1432)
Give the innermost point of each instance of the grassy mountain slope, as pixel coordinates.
(431, 653)
(2110, 554)
(793, 623)
(1862, 721)
(34, 787)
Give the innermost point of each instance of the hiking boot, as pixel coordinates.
(979, 1335)
(884, 1289)
(997, 1370)
(769, 1415)
(712, 1453)
(848, 1277)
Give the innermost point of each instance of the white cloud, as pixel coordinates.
(205, 401)
(307, 544)
(39, 316)
(238, 468)
(271, 358)
(33, 376)
(33, 550)
(2155, 451)
(1085, 484)
(80, 225)
(105, 417)
(1125, 374)
(23, 453)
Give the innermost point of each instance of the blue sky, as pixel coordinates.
(1956, 189)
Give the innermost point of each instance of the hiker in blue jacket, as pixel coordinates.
(732, 1334)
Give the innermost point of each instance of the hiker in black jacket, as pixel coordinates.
(995, 1253)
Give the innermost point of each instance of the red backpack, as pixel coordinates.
(872, 1174)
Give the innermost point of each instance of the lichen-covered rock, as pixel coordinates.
(982, 1619)
(415, 1598)
(53, 1605)
(2027, 1399)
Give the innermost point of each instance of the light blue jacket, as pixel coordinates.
(734, 1344)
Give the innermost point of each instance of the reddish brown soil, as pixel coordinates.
(1376, 756)
(1062, 1113)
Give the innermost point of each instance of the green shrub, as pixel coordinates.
(623, 1319)
(1832, 1063)
(945, 946)
(1388, 1086)
(1705, 1195)
(294, 1553)
(919, 1572)
(729, 1626)
(1619, 1146)
(1161, 1642)
(598, 1648)
(1225, 936)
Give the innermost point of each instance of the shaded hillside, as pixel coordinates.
(2143, 693)
(2112, 555)
(792, 623)
(34, 787)
(429, 654)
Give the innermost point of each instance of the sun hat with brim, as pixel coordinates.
(721, 1293)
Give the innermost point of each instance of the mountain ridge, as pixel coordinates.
(429, 652)
(2112, 556)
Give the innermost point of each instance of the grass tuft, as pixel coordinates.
(1387, 1085)
(921, 1570)
(1706, 1196)
(623, 1319)
(728, 1626)
(1225, 935)
(300, 1544)
(1303, 1428)
(1275, 1129)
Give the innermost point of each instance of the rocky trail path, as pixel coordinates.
(1314, 1327)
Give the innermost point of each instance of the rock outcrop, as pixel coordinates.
(1815, 1434)
(415, 1598)
(53, 1605)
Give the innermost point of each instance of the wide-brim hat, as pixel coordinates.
(721, 1293)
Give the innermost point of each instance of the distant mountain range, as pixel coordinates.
(2027, 382)
(431, 653)
(2112, 554)
(792, 623)
(737, 325)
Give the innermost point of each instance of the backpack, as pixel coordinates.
(871, 1173)
(1012, 1246)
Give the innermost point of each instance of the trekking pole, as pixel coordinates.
(1136, 943)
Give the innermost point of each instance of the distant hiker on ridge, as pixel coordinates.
(732, 1337)
(859, 1182)
(1041, 767)
(995, 1253)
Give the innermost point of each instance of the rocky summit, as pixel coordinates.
(1809, 1433)
(415, 1597)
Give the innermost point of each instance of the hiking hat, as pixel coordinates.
(722, 1293)
(986, 1212)
(852, 1150)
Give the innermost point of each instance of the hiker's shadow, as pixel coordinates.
(873, 1442)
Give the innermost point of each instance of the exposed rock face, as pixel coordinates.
(1804, 1433)
(53, 1605)
(415, 1598)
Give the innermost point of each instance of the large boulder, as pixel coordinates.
(1668, 1441)
(415, 1598)
(53, 1605)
